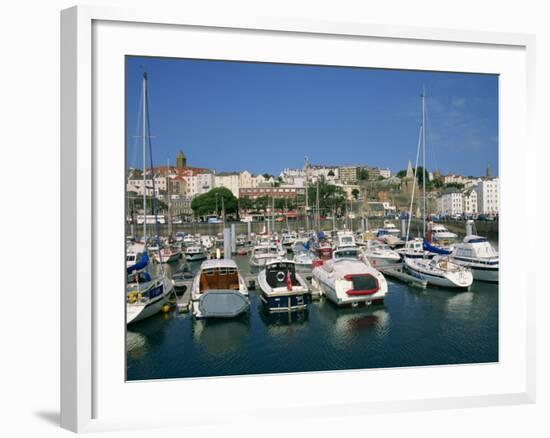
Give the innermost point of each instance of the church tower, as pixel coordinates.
(408, 181)
(181, 161)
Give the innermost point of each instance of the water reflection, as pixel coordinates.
(460, 303)
(144, 335)
(219, 337)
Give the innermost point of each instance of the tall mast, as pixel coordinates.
(306, 165)
(169, 196)
(144, 136)
(424, 163)
(317, 207)
(273, 215)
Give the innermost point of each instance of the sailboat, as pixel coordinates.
(440, 270)
(145, 294)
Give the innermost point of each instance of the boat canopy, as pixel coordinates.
(428, 247)
(142, 262)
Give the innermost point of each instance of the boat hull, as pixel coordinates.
(382, 262)
(436, 280)
(138, 311)
(480, 273)
(285, 303)
(195, 257)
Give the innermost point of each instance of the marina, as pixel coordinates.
(415, 326)
(322, 268)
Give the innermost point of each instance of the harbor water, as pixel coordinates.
(413, 327)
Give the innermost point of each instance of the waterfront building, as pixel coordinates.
(229, 180)
(450, 203)
(487, 196)
(290, 192)
(181, 206)
(469, 201)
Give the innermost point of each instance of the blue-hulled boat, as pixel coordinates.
(283, 289)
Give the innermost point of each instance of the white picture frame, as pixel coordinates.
(83, 371)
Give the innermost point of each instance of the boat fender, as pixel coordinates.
(134, 297)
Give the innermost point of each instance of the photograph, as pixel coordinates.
(293, 218)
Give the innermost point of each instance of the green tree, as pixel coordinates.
(206, 203)
(355, 193)
(246, 204)
(261, 203)
(401, 174)
(362, 174)
(331, 197)
(454, 185)
(135, 202)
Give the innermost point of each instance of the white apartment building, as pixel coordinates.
(487, 196)
(469, 202)
(450, 203)
(229, 180)
(385, 173)
(204, 182)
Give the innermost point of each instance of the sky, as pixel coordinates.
(263, 117)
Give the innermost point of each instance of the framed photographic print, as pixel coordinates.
(276, 210)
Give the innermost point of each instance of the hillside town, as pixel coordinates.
(345, 190)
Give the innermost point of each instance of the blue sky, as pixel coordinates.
(264, 117)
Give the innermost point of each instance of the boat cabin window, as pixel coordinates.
(277, 275)
(219, 278)
(346, 253)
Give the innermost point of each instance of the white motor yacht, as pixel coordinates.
(347, 280)
(219, 290)
(194, 253)
(283, 289)
(477, 254)
(441, 234)
(264, 253)
(379, 254)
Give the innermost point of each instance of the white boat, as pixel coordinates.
(207, 242)
(303, 259)
(219, 290)
(191, 240)
(388, 228)
(168, 254)
(145, 296)
(477, 254)
(264, 253)
(414, 249)
(345, 239)
(133, 253)
(289, 238)
(194, 253)
(283, 289)
(380, 255)
(439, 271)
(441, 233)
(349, 281)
